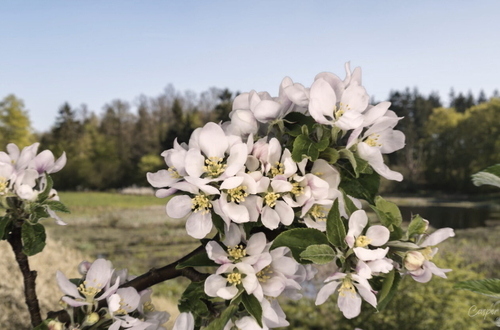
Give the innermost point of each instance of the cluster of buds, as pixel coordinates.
(282, 183)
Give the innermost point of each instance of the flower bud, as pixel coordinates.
(83, 267)
(243, 123)
(55, 325)
(414, 260)
(91, 319)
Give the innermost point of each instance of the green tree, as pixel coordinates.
(15, 125)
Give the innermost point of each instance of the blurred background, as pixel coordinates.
(113, 83)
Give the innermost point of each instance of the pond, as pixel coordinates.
(449, 216)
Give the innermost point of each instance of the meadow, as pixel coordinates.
(134, 232)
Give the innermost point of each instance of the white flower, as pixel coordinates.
(333, 103)
(208, 159)
(185, 321)
(236, 277)
(95, 287)
(375, 236)
(175, 160)
(352, 288)
(418, 263)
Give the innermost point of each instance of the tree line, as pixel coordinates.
(115, 149)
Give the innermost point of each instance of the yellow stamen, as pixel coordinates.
(278, 169)
(263, 275)
(237, 252)
(427, 253)
(234, 278)
(213, 167)
(372, 140)
(238, 194)
(318, 212)
(148, 307)
(346, 287)
(362, 241)
(173, 173)
(3, 185)
(201, 203)
(271, 198)
(297, 190)
(89, 292)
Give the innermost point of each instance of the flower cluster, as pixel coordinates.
(24, 179)
(282, 184)
(86, 299)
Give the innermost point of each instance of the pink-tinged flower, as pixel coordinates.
(45, 162)
(95, 287)
(128, 322)
(374, 236)
(352, 288)
(227, 284)
(418, 263)
(20, 159)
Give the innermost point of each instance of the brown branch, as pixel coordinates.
(29, 276)
(155, 276)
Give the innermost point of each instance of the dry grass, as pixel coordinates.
(55, 256)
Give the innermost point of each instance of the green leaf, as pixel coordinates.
(221, 322)
(198, 260)
(303, 147)
(37, 213)
(365, 187)
(33, 237)
(219, 225)
(490, 176)
(318, 254)
(489, 287)
(4, 222)
(193, 300)
(347, 154)
(335, 229)
(403, 246)
(253, 306)
(331, 155)
(417, 226)
(57, 206)
(45, 193)
(388, 213)
(349, 204)
(389, 289)
(298, 239)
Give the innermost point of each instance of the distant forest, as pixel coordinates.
(115, 148)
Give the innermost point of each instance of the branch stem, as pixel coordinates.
(29, 276)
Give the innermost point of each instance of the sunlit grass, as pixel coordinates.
(91, 200)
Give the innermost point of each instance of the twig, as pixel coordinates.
(155, 276)
(29, 276)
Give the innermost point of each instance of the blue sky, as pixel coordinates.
(95, 51)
